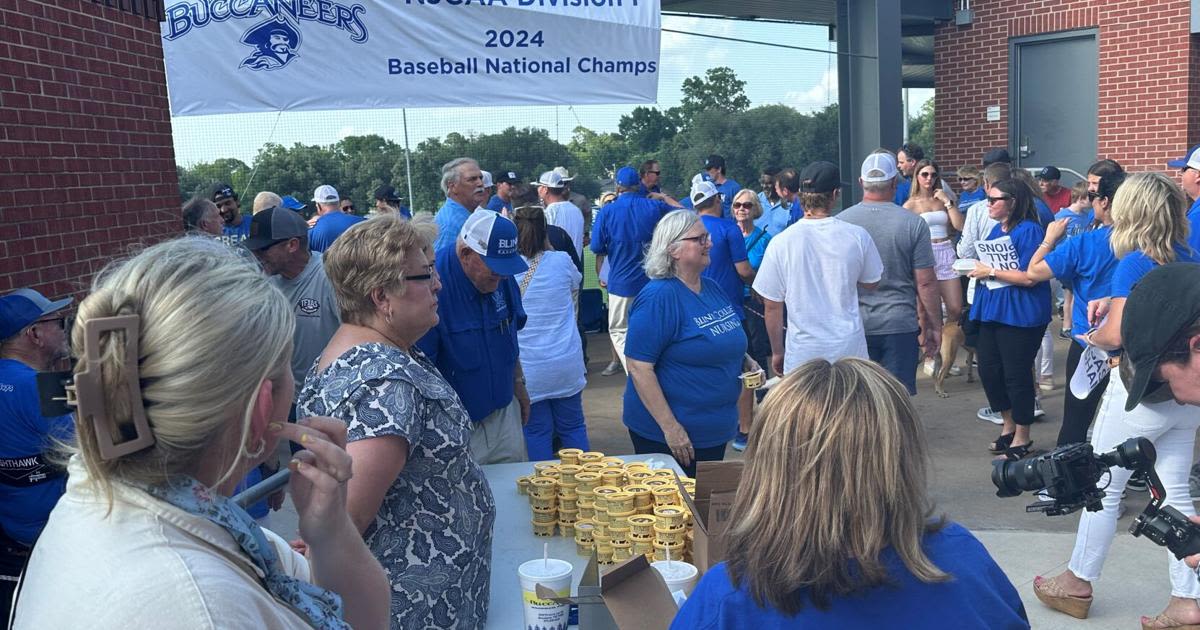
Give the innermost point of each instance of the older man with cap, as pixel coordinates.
(620, 236)
(462, 182)
(816, 268)
(1056, 195)
(387, 201)
(580, 201)
(1189, 175)
(331, 221)
(474, 344)
(502, 201)
(552, 191)
(237, 226)
(33, 337)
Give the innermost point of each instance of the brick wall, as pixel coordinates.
(1149, 83)
(87, 166)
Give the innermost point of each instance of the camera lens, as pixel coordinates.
(1132, 453)
(1011, 478)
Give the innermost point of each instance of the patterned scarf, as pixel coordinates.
(322, 608)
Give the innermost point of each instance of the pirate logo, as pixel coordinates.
(275, 42)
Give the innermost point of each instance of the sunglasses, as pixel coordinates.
(999, 199)
(653, 172)
(1093, 195)
(927, 175)
(350, 208)
(742, 204)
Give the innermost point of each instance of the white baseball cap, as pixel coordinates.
(702, 191)
(487, 179)
(878, 167)
(326, 194)
(494, 238)
(550, 179)
(563, 173)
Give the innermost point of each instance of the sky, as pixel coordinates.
(802, 79)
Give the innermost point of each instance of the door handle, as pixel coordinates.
(1025, 150)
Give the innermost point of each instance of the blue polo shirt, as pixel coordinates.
(1024, 307)
(728, 190)
(643, 191)
(1193, 216)
(903, 188)
(728, 249)
(29, 485)
(621, 233)
(328, 228)
(775, 217)
(449, 219)
(1085, 263)
(1135, 264)
(233, 235)
(496, 204)
(696, 344)
(474, 344)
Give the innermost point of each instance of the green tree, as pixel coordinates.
(196, 180)
(367, 162)
(295, 171)
(646, 128)
(719, 90)
(920, 128)
(597, 155)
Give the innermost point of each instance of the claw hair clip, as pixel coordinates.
(86, 393)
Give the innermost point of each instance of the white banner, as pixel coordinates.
(228, 56)
(999, 254)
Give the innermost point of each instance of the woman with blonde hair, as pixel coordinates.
(746, 209)
(418, 498)
(1150, 228)
(160, 446)
(831, 526)
(928, 201)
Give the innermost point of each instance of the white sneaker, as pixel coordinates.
(955, 371)
(928, 367)
(611, 368)
(987, 415)
(1046, 383)
(1038, 412)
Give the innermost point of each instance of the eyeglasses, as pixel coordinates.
(999, 199)
(1093, 195)
(742, 204)
(700, 240)
(432, 273)
(61, 320)
(653, 172)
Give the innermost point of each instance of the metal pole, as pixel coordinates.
(905, 134)
(408, 161)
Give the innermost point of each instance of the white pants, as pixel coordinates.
(618, 323)
(1172, 429)
(498, 438)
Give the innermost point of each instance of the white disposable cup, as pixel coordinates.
(554, 575)
(679, 576)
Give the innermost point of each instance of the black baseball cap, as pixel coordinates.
(820, 177)
(220, 192)
(508, 177)
(386, 193)
(1049, 173)
(996, 155)
(273, 225)
(714, 161)
(1163, 304)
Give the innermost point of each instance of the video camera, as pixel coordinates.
(1070, 475)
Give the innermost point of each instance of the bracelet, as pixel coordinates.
(1047, 245)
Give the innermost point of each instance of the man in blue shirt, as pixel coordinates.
(387, 201)
(331, 221)
(462, 181)
(620, 234)
(1189, 172)
(474, 344)
(787, 185)
(714, 167)
(776, 215)
(650, 173)
(502, 201)
(906, 159)
(237, 226)
(32, 339)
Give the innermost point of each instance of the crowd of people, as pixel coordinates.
(399, 352)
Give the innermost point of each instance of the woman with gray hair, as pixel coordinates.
(685, 351)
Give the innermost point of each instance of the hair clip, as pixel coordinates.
(86, 394)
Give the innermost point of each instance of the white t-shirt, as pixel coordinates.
(814, 268)
(551, 352)
(569, 217)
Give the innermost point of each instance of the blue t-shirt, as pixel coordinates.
(728, 249)
(474, 344)
(643, 191)
(979, 595)
(796, 212)
(1193, 216)
(449, 219)
(903, 189)
(29, 485)
(622, 232)
(728, 190)
(1134, 265)
(756, 248)
(775, 217)
(966, 199)
(496, 204)
(1086, 264)
(233, 235)
(1025, 307)
(696, 344)
(1077, 222)
(328, 228)
(1045, 216)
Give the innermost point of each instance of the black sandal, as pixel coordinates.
(1002, 443)
(1014, 453)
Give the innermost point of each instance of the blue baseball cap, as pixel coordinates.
(494, 238)
(291, 203)
(23, 307)
(627, 177)
(1191, 160)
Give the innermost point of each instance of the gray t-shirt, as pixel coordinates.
(902, 239)
(317, 317)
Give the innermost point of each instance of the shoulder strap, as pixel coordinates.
(752, 243)
(533, 265)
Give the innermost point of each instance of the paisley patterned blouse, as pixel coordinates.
(433, 532)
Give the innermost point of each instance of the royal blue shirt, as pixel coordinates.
(29, 485)
(449, 219)
(728, 190)
(903, 188)
(728, 249)
(1013, 305)
(496, 204)
(1134, 265)
(643, 191)
(1045, 216)
(260, 509)
(474, 344)
(775, 217)
(696, 344)
(1193, 216)
(233, 235)
(967, 198)
(756, 247)
(978, 595)
(621, 233)
(797, 211)
(1086, 264)
(328, 228)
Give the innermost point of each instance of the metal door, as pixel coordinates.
(1052, 100)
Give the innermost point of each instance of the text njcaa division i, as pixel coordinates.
(522, 65)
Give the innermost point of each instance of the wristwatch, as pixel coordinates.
(992, 274)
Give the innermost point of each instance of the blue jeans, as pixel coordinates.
(898, 354)
(561, 417)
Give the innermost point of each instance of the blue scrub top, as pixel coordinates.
(29, 485)
(474, 344)
(696, 344)
(728, 249)
(1013, 305)
(328, 228)
(1086, 264)
(622, 232)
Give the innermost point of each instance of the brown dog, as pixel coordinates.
(952, 340)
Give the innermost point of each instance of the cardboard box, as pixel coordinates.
(716, 486)
(631, 596)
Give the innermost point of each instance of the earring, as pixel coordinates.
(262, 445)
(388, 318)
